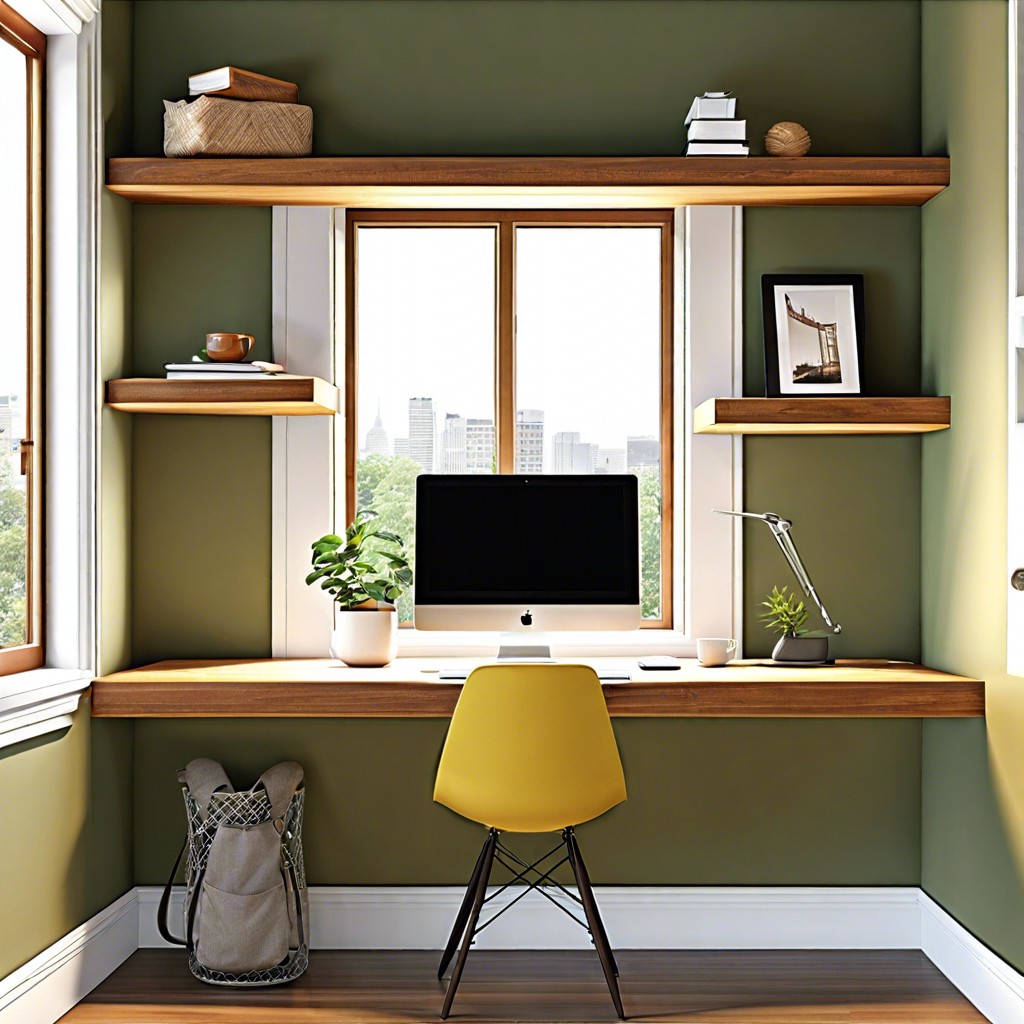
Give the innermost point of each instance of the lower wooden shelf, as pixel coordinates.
(281, 395)
(409, 688)
(797, 415)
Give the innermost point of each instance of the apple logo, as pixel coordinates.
(526, 618)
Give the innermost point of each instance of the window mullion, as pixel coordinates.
(505, 362)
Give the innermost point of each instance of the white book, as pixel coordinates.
(718, 131)
(199, 367)
(717, 149)
(712, 105)
(192, 375)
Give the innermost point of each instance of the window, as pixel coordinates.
(520, 341)
(22, 50)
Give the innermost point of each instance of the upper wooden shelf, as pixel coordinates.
(409, 688)
(821, 415)
(531, 182)
(282, 395)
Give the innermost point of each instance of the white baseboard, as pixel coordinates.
(45, 988)
(636, 917)
(641, 917)
(988, 981)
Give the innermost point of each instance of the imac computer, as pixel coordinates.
(527, 554)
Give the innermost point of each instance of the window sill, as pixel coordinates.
(39, 701)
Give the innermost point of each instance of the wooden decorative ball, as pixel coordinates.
(787, 138)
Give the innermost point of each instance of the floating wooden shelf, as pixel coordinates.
(821, 415)
(409, 688)
(282, 395)
(531, 182)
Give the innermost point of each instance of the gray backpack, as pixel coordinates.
(246, 904)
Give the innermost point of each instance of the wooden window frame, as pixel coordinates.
(16, 31)
(505, 222)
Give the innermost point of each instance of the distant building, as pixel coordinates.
(6, 425)
(642, 452)
(422, 432)
(570, 455)
(453, 444)
(402, 448)
(479, 446)
(530, 441)
(377, 438)
(611, 460)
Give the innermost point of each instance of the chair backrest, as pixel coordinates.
(530, 749)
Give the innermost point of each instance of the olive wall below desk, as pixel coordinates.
(745, 802)
(711, 801)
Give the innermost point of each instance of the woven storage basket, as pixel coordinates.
(218, 127)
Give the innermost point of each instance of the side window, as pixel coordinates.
(526, 342)
(22, 51)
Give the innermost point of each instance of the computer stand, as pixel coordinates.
(511, 647)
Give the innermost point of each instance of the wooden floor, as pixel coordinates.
(667, 987)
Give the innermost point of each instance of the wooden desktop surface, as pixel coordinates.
(410, 688)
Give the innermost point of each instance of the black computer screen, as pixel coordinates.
(527, 540)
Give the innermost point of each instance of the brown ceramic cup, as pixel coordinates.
(229, 348)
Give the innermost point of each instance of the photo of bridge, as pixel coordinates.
(813, 338)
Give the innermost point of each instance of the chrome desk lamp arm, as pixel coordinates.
(781, 532)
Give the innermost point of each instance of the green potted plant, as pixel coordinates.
(365, 572)
(786, 615)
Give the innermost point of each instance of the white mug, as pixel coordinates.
(715, 650)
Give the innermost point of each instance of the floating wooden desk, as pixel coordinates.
(295, 688)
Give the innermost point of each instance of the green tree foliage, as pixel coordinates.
(650, 543)
(13, 560)
(389, 482)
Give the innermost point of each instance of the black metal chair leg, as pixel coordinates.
(474, 916)
(600, 937)
(463, 915)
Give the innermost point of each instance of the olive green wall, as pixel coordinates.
(973, 771)
(67, 855)
(68, 795)
(712, 801)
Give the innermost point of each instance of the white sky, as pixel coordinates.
(588, 308)
(12, 222)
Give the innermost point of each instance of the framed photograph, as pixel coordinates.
(813, 334)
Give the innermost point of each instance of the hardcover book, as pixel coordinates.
(242, 85)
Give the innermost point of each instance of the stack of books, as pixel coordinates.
(236, 84)
(197, 370)
(712, 128)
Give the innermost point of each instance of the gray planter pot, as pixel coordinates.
(801, 648)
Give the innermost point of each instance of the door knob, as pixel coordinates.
(1017, 579)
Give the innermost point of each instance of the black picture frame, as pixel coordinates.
(839, 300)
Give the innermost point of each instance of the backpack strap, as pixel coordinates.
(165, 904)
(203, 777)
(280, 782)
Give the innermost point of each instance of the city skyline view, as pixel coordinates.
(587, 338)
(451, 443)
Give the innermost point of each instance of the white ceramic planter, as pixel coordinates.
(365, 639)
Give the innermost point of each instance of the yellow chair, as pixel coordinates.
(530, 749)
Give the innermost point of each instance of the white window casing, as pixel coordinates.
(42, 700)
(308, 454)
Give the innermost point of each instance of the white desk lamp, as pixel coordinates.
(781, 532)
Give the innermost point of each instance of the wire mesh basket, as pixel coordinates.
(246, 810)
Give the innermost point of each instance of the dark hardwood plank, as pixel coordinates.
(822, 415)
(530, 182)
(668, 987)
